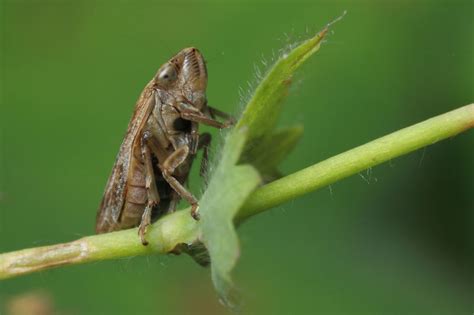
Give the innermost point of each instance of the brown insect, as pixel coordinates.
(161, 142)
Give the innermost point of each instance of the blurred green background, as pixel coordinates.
(395, 240)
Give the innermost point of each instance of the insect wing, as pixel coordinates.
(115, 190)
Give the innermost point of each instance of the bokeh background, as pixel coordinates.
(397, 239)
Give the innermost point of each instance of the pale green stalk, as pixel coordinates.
(177, 228)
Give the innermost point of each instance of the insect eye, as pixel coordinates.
(167, 75)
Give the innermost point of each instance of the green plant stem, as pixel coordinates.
(164, 236)
(177, 228)
(358, 159)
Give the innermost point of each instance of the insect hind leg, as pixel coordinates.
(152, 191)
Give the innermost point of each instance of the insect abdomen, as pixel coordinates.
(135, 197)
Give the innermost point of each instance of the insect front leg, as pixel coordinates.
(194, 134)
(174, 202)
(169, 166)
(213, 112)
(191, 113)
(150, 184)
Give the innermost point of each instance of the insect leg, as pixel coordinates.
(194, 143)
(171, 163)
(156, 149)
(152, 191)
(174, 202)
(201, 118)
(188, 112)
(215, 112)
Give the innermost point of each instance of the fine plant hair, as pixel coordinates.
(243, 181)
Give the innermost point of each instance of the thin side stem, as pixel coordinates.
(358, 159)
(167, 233)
